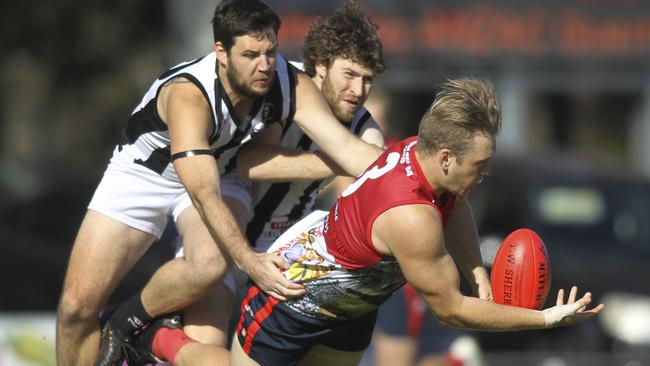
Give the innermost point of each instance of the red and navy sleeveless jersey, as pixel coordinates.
(395, 179)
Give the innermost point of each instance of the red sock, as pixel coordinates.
(167, 342)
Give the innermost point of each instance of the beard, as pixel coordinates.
(240, 86)
(344, 115)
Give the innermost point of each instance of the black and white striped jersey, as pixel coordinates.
(145, 139)
(276, 206)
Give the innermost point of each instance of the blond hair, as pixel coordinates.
(461, 109)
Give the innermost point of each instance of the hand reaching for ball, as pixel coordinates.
(572, 312)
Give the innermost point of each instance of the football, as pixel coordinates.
(521, 271)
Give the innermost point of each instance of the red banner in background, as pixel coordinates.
(572, 29)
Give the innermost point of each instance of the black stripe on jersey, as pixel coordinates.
(304, 143)
(298, 210)
(292, 88)
(158, 160)
(141, 122)
(179, 67)
(218, 90)
(272, 199)
(273, 103)
(232, 164)
(147, 120)
(244, 123)
(264, 209)
(291, 72)
(362, 120)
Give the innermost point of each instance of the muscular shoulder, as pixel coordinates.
(406, 228)
(179, 92)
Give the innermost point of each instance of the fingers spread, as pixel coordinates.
(572, 295)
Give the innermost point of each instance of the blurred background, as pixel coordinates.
(573, 160)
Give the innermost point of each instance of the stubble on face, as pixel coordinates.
(334, 100)
(243, 75)
(243, 87)
(339, 82)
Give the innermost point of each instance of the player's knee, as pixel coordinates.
(210, 269)
(74, 309)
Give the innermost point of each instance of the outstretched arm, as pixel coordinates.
(461, 238)
(414, 235)
(315, 118)
(187, 114)
(264, 160)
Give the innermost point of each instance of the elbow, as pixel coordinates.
(449, 318)
(448, 314)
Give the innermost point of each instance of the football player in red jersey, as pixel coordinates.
(389, 228)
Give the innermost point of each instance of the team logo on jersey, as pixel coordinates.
(266, 112)
(406, 159)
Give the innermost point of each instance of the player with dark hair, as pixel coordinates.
(180, 139)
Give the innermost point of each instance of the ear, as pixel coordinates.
(222, 54)
(321, 69)
(444, 159)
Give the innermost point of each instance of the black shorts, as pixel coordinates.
(271, 333)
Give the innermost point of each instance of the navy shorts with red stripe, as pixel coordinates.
(272, 333)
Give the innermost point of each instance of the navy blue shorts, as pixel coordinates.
(271, 333)
(405, 314)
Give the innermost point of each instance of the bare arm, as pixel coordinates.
(414, 235)
(315, 118)
(370, 134)
(461, 238)
(264, 160)
(187, 114)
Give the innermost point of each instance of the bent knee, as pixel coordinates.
(73, 308)
(210, 268)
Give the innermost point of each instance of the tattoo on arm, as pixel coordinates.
(177, 80)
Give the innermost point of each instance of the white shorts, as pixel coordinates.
(238, 188)
(138, 197)
(234, 187)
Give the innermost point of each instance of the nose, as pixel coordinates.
(357, 87)
(265, 63)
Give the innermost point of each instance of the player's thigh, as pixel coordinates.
(103, 252)
(206, 320)
(237, 355)
(199, 248)
(392, 350)
(324, 356)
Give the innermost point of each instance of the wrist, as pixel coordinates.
(243, 259)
